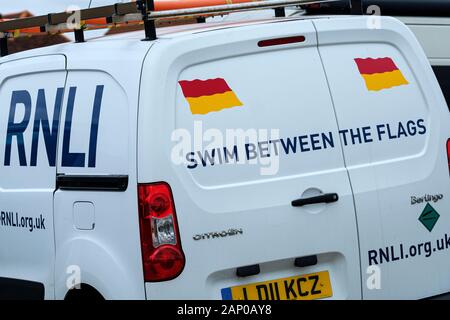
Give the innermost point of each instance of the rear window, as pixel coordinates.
(443, 75)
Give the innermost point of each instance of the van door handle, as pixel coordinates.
(324, 198)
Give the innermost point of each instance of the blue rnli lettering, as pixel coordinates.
(94, 126)
(49, 127)
(16, 129)
(70, 159)
(41, 118)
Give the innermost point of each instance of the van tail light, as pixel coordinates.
(448, 154)
(281, 41)
(162, 255)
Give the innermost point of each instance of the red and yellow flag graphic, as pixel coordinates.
(210, 95)
(381, 73)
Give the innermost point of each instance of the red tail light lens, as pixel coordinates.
(448, 154)
(162, 255)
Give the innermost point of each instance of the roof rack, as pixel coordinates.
(139, 12)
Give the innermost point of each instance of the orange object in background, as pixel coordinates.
(161, 5)
(99, 21)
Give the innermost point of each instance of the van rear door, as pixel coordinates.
(243, 130)
(394, 126)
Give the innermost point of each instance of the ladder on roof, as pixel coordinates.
(141, 12)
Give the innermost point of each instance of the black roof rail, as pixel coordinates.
(413, 8)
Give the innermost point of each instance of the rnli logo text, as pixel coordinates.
(49, 128)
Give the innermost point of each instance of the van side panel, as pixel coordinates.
(31, 93)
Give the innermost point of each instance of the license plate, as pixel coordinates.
(305, 287)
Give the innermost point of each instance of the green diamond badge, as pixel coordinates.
(429, 217)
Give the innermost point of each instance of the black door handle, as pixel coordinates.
(324, 198)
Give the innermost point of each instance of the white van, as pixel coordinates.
(289, 158)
